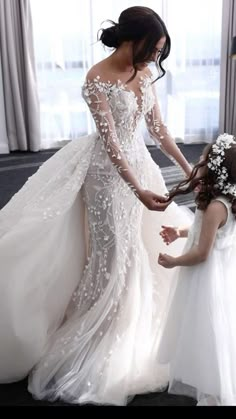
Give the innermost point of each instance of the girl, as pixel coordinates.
(199, 339)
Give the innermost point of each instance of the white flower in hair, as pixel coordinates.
(226, 140)
(216, 158)
(229, 189)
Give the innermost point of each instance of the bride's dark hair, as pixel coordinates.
(139, 24)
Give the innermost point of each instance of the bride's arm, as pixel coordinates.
(95, 94)
(159, 132)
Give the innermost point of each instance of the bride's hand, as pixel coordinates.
(153, 201)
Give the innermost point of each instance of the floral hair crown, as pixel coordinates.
(215, 164)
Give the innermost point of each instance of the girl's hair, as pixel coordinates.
(139, 24)
(209, 181)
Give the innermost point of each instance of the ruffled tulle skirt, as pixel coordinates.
(199, 340)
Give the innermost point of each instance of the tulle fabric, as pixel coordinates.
(199, 341)
(105, 353)
(44, 250)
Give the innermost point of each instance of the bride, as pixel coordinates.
(82, 297)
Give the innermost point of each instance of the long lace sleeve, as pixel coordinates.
(96, 96)
(160, 134)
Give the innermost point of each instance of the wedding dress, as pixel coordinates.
(81, 294)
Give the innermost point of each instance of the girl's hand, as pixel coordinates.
(166, 261)
(169, 234)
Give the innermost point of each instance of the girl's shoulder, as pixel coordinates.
(217, 210)
(224, 201)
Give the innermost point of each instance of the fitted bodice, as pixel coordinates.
(127, 108)
(118, 112)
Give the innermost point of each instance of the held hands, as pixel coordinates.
(169, 234)
(166, 261)
(153, 201)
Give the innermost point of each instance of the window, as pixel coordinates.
(65, 34)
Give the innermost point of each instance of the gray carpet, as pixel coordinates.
(14, 171)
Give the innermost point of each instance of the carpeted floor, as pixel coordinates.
(14, 171)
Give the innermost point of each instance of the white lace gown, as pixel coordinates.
(81, 295)
(199, 339)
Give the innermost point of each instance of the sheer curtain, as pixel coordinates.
(192, 100)
(4, 146)
(65, 36)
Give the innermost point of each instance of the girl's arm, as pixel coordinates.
(183, 232)
(214, 217)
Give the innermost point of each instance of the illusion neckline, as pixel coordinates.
(120, 84)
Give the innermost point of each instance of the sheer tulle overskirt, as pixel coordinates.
(106, 351)
(107, 295)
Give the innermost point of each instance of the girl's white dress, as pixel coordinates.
(199, 338)
(82, 297)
